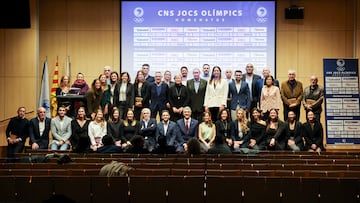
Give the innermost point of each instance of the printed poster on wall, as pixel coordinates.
(342, 112)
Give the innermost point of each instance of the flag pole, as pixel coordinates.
(68, 67)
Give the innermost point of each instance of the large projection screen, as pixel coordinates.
(168, 35)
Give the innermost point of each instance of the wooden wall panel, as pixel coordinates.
(53, 15)
(20, 55)
(316, 45)
(286, 53)
(91, 51)
(20, 62)
(53, 46)
(90, 15)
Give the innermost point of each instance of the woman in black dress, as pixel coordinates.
(257, 130)
(223, 126)
(128, 129)
(79, 139)
(274, 126)
(313, 133)
(113, 126)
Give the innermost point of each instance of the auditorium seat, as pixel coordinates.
(148, 189)
(76, 188)
(224, 189)
(109, 188)
(181, 189)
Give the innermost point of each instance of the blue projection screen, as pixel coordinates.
(169, 35)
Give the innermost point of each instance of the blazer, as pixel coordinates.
(316, 94)
(193, 129)
(258, 87)
(287, 93)
(234, 131)
(34, 132)
(253, 85)
(196, 99)
(19, 127)
(216, 96)
(144, 93)
(313, 136)
(241, 97)
(129, 94)
(61, 132)
(178, 98)
(149, 132)
(158, 100)
(172, 137)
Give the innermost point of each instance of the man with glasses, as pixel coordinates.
(159, 95)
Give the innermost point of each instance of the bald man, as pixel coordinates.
(313, 97)
(39, 129)
(291, 95)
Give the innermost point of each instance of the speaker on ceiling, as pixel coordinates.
(294, 12)
(15, 14)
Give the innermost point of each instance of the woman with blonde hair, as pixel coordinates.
(97, 130)
(63, 89)
(240, 131)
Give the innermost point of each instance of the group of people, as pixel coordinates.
(208, 112)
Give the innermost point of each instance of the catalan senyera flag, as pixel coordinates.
(54, 86)
(44, 100)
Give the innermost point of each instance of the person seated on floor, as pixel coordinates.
(219, 146)
(192, 147)
(137, 145)
(163, 147)
(109, 146)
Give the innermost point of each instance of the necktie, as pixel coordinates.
(187, 126)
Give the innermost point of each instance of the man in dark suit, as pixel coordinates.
(197, 89)
(169, 130)
(158, 95)
(250, 78)
(39, 130)
(17, 132)
(148, 129)
(187, 126)
(240, 95)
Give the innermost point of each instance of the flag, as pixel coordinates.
(68, 67)
(54, 86)
(44, 94)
